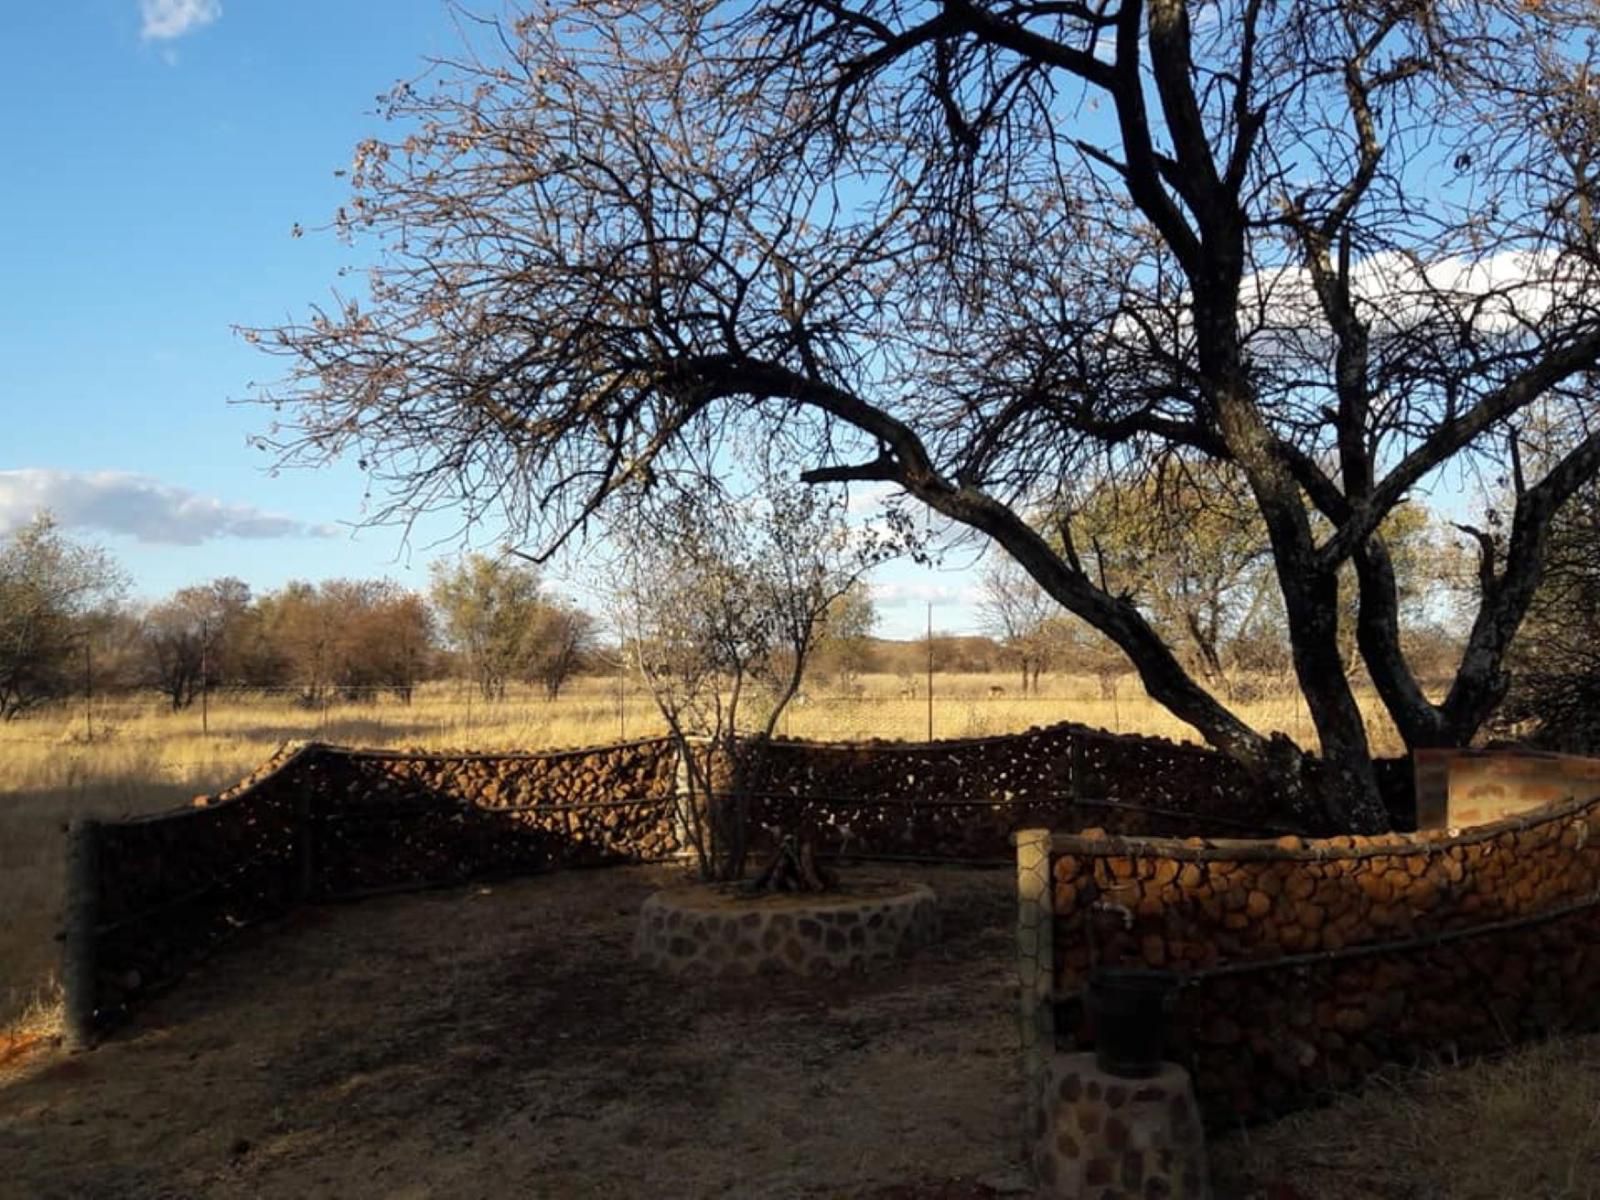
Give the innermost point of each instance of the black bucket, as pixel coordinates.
(1127, 1010)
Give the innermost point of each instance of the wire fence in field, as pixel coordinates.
(594, 709)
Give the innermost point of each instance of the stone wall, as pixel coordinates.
(964, 799)
(319, 823)
(1308, 964)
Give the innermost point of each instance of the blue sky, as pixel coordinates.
(158, 154)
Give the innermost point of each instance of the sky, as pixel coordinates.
(159, 153)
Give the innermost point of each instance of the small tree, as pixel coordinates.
(191, 640)
(298, 632)
(383, 637)
(490, 610)
(52, 591)
(562, 637)
(1184, 543)
(1555, 701)
(846, 646)
(724, 604)
(1022, 617)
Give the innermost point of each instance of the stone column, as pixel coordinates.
(80, 941)
(1102, 1137)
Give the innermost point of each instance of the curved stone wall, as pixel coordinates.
(700, 932)
(1307, 964)
(321, 822)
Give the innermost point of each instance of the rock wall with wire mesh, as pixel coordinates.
(1305, 965)
(325, 823)
(168, 887)
(964, 799)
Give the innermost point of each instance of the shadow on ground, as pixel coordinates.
(499, 1041)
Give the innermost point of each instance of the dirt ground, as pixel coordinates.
(498, 1041)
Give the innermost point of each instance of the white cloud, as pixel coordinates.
(168, 19)
(1497, 294)
(120, 502)
(869, 497)
(891, 594)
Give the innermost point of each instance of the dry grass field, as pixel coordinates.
(134, 755)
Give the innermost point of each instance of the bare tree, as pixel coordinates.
(1022, 617)
(190, 641)
(723, 606)
(562, 636)
(978, 249)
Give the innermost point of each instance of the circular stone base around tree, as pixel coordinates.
(708, 930)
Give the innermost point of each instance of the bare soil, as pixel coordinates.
(499, 1041)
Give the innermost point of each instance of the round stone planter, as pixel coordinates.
(705, 930)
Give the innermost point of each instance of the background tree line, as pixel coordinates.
(66, 619)
(64, 612)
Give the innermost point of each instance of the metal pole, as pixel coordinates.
(930, 670)
(622, 700)
(78, 937)
(88, 693)
(205, 667)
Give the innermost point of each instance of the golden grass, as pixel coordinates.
(137, 756)
(1523, 1125)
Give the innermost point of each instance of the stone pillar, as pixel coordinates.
(1101, 1137)
(79, 941)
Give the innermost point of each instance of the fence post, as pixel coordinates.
(304, 847)
(682, 795)
(1035, 970)
(1077, 768)
(78, 937)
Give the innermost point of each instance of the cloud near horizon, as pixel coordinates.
(893, 594)
(164, 20)
(138, 506)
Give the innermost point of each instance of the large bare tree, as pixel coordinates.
(980, 248)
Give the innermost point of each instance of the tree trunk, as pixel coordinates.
(1347, 786)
